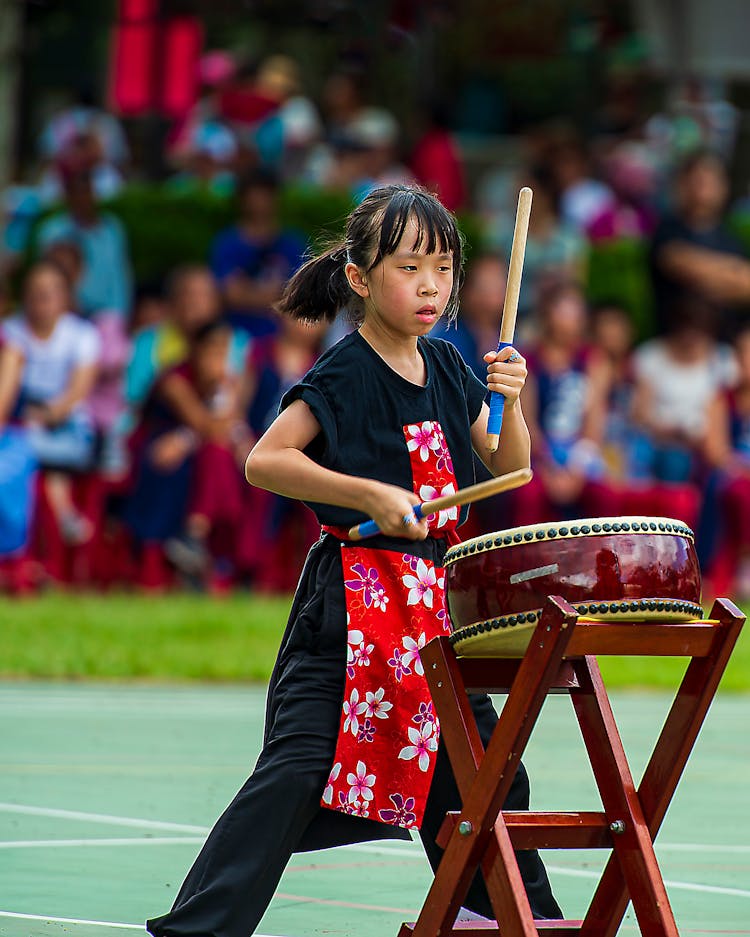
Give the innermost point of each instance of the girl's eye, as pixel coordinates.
(445, 269)
(408, 267)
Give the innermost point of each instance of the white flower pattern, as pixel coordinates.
(360, 783)
(424, 742)
(429, 493)
(377, 707)
(353, 709)
(388, 740)
(423, 438)
(411, 653)
(328, 792)
(421, 585)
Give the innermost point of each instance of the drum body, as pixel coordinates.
(619, 568)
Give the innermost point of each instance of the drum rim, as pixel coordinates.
(645, 609)
(561, 530)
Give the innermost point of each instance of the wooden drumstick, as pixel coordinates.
(465, 496)
(510, 308)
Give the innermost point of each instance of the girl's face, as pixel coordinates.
(407, 292)
(46, 297)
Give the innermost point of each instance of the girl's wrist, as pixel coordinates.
(366, 495)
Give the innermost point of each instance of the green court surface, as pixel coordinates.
(106, 793)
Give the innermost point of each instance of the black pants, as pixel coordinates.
(273, 815)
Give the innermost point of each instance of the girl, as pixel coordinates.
(385, 419)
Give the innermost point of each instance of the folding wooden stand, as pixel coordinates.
(561, 657)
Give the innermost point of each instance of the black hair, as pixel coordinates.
(610, 304)
(699, 156)
(207, 331)
(320, 289)
(260, 177)
(176, 277)
(541, 176)
(48, 263)
(689, 311)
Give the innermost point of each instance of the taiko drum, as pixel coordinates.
(608, 568)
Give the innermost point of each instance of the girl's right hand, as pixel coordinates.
(388, 505)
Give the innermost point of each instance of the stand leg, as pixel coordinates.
(633, 847)
(484, 782)
(668, 761)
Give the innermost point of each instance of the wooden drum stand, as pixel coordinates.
(561, 658)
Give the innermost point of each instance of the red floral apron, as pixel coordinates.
(388, 735)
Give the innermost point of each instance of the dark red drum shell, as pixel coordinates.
(604, 568)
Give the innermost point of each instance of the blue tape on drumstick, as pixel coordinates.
(497, 404)
(370, 528)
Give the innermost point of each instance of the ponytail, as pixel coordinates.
(319, 289)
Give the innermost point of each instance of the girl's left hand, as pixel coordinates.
(506, 373)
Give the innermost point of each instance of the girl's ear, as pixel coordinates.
(357, 280)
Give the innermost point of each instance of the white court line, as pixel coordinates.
(75, 920)
(132, 841)
(357, 847)
(139, 823)
(102, 818)
(71, 920)
(682, 886)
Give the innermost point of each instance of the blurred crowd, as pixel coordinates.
(127, 409)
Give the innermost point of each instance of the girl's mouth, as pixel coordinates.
(426, 313)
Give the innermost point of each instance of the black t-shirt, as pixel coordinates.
(363, 405)
(667, 290)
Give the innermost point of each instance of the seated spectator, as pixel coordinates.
(374, 134)
(582, 196)
(253, 259)
(612, 340)
(554, 249)
(630, 213)
(192, 299)
(564, 407)
(106, 403)
(276, 532)
(106, 279)
(192, 443)
(353, 127)
(208, 162)
(47, 370)
(677, 377)
(692, 251)
(216, 71)
(149, 306)
(271, 116)
(93, 138)
(475, 331)
(728, 451)
(437, 164)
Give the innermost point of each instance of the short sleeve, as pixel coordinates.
(87, 345)
(475, 392)
(320, 407)
(14, 334)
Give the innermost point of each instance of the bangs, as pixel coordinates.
(436, 228)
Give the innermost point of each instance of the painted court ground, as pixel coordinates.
(107, 791)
